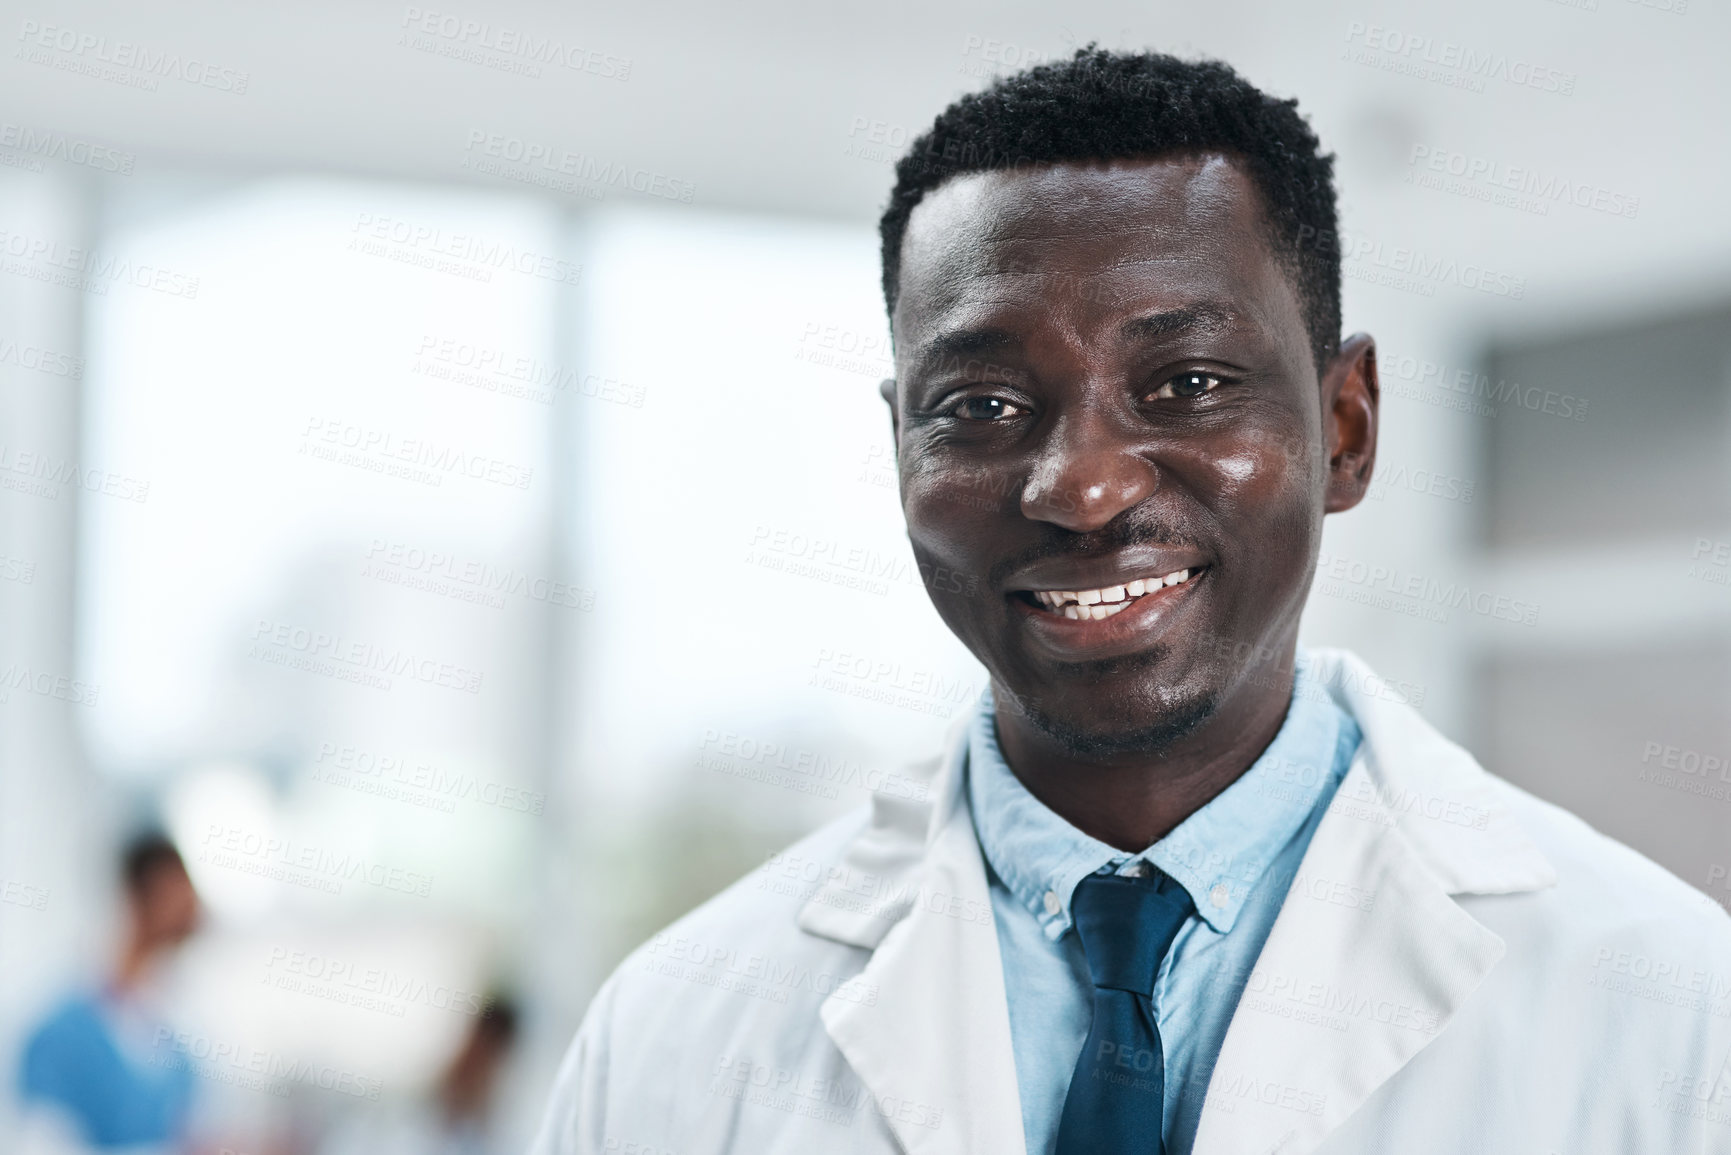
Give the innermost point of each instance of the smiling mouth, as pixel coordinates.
(1085, 605)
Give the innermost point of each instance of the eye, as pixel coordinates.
(985, 409)
(1186, 385)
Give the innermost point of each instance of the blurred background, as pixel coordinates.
(443, 490)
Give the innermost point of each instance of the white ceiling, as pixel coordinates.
(752, 103)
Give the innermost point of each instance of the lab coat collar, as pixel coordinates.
(933, 1047)
(1367, 962)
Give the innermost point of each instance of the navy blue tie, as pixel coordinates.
(1117, 1095)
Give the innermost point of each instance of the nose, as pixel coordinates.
(1087, 474)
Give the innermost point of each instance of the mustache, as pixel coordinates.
(1115, 535)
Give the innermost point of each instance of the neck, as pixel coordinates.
(1131, 801)
(134, 964)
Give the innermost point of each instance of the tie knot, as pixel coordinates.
(1126, 926)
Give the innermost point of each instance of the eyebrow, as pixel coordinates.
(963, 343)
(1209, 315)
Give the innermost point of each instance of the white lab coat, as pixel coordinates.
(1458, 968)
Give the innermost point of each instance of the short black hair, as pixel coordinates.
(145, 854)
(498, 1018)
(1105, 106)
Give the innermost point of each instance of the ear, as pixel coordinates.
(1352, 400)
(887, 390)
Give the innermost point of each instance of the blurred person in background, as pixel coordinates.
(457, 1116)
(92, 1076)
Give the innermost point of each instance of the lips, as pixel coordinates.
(1117, 619)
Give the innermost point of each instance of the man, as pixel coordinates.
(92, 1073)
(1179, 886)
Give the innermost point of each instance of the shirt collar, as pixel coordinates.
(1218, 854)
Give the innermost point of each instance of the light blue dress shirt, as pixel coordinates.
(1236, 857)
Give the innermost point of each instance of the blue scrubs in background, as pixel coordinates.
(95, 1060)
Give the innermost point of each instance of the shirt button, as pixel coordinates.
(1219, 895)
(1137, 869)
(1053, 906)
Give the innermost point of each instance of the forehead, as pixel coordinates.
(1090, 238)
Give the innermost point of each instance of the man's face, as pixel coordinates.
(1104, 380)
(166, 906)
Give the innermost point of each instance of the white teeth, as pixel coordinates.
(1092, 605)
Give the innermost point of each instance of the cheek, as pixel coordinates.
(1265, 496)
(949, 512)
(1238, 472)
(1254, 475)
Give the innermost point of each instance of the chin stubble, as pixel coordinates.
(1177, 719)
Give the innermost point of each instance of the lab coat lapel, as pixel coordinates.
(1368, 960)
(1370, 957)
(926, 1025)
